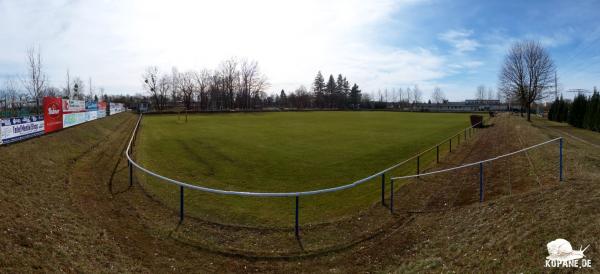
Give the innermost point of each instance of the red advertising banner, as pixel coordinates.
(53, 114)
(102, 105)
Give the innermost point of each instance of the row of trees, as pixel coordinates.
(24, 94)
(583, 112)
(405, 96)
(486, 94)
(234, 84)
(335, 93)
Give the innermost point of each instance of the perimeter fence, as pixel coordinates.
(419, 162)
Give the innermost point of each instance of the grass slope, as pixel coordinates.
(284, 152)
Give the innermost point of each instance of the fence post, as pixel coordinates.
(481, 182)
(465, 135)
(297, 226)
(130, 174)
(458, 138)
(180, 204)
(418, 165)
(560, 167)
(437, 153)
(450, 144)
(383, 189)
(392, 196)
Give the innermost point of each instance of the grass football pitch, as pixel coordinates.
(284, 152)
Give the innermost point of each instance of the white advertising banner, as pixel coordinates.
(73, 106)
(116, 108)
(71, 119)
(20, 128)
(91, 115)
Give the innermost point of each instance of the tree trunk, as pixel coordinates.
(528, 113)
(521, 110)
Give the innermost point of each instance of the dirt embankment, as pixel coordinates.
(84, 217)
(41, 226)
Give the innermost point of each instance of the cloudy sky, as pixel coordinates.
(378, 44)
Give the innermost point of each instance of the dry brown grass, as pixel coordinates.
(86, 218)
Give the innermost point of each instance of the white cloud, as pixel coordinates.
(460, 39)
(112, 41)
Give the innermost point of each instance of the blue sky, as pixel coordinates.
(380, 44)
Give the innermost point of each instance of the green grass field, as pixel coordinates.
(290, 151)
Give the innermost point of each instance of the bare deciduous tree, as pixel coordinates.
(417, 94)
(150, 79)
(163, 88)
(527, 74)
(480, 93)
(36, 79)
(174, 84)
(438, 96)
(52, 91)
(229, 74)
(9, 95)
(203, 79)
(187, 87)
(490, 93)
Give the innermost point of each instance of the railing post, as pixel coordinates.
(130, 174)
(418, 164)
(560, 167)
(392, 196)
(481, 182)
(180, 204)
(450, 144)
(383, 189)
(437, 153)
(297, 225)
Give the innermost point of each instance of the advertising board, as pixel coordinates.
(101, 109)
(73, 112)
(53, 114)
(116, 108)
(20, 128)
(91, 115)
(71, 119)
(70, 106)
(91, 110)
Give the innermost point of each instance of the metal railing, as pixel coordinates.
(467, 132)
(480, 163)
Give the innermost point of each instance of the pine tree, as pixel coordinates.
(339, 92)
(330, 90)
(553, 113)
(596, 115)
(355, 96)
(577, 111)
(319, 89)
(563, 110)
(282, 99)
(591, 114)
(345, 92)
(588, 122)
